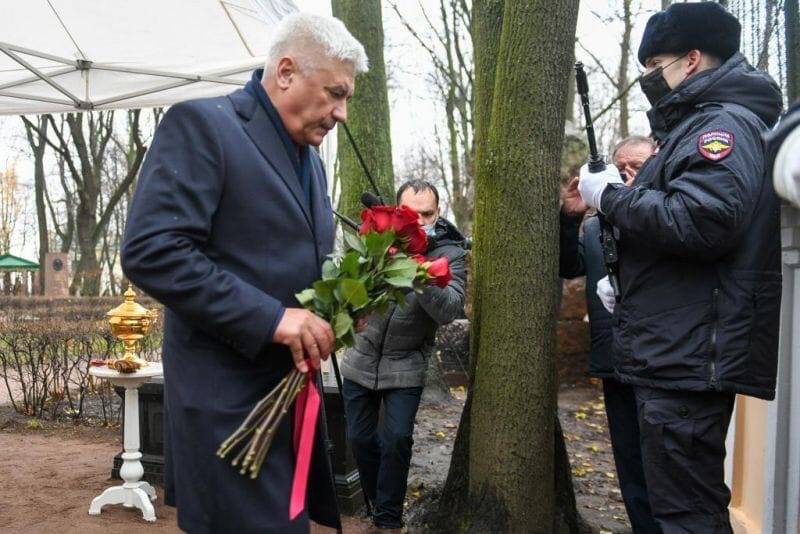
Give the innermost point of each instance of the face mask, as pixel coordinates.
(654, 85)
(430, 229)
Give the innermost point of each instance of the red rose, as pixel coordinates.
(416, 242)
(439, 271)
(419, 258)
(393, 250)
(404, 220)
(377, 219)
(366, 221)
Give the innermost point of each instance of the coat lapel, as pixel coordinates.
(263, 134)
(323, 216)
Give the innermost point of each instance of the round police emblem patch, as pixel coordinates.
(715, 145)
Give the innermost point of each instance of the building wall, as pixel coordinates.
(747, 495)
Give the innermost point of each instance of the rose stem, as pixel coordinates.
(294, 390)
(262, 426)
(243, 429)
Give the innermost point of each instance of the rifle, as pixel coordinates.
(597, 164)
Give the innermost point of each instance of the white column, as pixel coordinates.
(782, 443)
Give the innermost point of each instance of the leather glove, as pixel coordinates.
(592, 184)
(606, 294)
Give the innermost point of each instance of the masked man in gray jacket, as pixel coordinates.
(388, 362)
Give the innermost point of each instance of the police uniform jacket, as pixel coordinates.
(700, 266)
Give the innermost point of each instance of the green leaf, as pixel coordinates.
(305, 297)
(324, 289)
(329, 270)
(405, 268)
(351, 291)
(355, 242)
(342, 324)
(348, 338)
(400, 281)
(378, 244)
(351, 264)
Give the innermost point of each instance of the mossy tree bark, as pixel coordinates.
(368, 112)
(503, 462)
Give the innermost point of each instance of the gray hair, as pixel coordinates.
(301, 32)
(633, 140)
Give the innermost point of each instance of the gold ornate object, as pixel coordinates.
(130, 322)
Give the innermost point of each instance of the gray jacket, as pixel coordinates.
(392, 352)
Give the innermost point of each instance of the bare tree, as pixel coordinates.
(619, 80)
(81, 141)
(792, 47)
(38, 146)
(450, 50)
(10, 207)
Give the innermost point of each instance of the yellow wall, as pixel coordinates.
(747, 498)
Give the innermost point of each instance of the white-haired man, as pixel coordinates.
(230, 219)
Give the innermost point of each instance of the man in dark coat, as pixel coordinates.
(699, 259)
(582, 255)
(385, 369)
(230, 219)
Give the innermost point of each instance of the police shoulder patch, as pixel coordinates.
(715, 145)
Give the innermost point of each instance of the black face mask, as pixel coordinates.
(654, 86)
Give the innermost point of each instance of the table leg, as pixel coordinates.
(134, 493)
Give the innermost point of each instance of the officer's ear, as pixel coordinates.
(694, 62)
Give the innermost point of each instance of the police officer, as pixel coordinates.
(697, 319)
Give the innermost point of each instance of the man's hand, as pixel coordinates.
(592, 184)
(606, 294)
(305, 334)
(361, 325)
(571, 200)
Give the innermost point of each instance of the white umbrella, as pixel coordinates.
(68, 55)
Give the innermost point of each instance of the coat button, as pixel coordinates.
(683, 411)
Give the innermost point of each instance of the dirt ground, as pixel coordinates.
(51, 471)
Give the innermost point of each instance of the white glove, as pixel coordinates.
(606, 294)
(592, 184)
(786, 172)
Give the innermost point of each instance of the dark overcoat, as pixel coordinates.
(221, 233)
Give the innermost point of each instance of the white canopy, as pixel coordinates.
(78, 55)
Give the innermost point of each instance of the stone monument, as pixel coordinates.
(56, 274)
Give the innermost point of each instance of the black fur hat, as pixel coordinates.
(705, 26)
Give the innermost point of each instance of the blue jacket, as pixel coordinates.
(221, 233)
(579, 256)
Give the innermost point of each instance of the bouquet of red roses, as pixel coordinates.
(383, 262)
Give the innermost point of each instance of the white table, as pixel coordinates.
(134, 492)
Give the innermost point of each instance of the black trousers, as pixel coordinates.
(623, 425)
(383, 457)
(683, 453)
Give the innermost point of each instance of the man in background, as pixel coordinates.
(582, 255)
(387, 365)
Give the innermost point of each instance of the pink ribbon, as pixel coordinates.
(306, 411)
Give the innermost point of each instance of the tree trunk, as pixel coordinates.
(665, 4)
(84, 153)
(523, 52)
(622, 73)
(39, 185)
(792, 16)
(368, 112)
